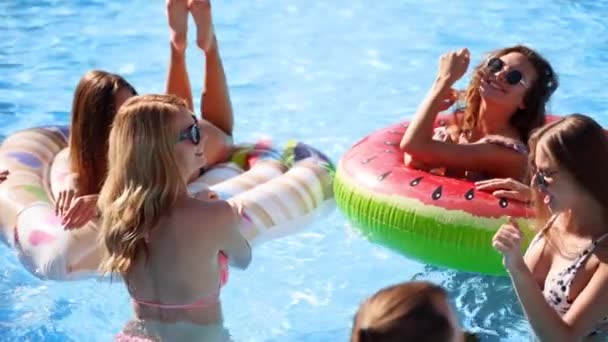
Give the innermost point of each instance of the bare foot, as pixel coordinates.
(201, 11)
(177, 14)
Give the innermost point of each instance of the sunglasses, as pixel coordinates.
(541, 178)
(512, 77)
(192, 133)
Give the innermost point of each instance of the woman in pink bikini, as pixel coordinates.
(172, 250)
(562, 280)
(505, 101)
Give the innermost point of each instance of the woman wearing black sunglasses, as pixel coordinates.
(562, 280)
(505, 101)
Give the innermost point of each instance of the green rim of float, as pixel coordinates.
(440, 237)
(436, 220)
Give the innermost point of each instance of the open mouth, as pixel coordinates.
(491, 82)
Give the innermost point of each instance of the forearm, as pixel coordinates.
(216, 106)
(178, 82)
(420, 129)
(544, 320)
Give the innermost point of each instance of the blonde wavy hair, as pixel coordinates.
(144, 179)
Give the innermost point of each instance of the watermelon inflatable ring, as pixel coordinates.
(438, 220)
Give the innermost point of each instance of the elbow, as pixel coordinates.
(243, 261)
(410, 145)
(414, 152)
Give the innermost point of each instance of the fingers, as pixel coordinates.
(506, 239)
(499, 183)
(72, 213)
(67, 202)
(464, 52)
(490, 184)
(85, 216)
(499, 246)
(79, 214)
(61, 198)
(515, 226)
(510, 194)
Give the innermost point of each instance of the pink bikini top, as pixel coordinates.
(208, 300)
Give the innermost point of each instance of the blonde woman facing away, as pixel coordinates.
(171, 250)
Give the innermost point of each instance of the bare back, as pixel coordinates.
(176, 291)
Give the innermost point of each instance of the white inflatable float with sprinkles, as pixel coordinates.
(281, 193)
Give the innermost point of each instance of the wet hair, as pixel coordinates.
(524, 120)
(403, 312)
(93, 110)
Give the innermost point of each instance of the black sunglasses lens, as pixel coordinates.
(495, 64)
(195, 134)
(540, 180)
(514, 77)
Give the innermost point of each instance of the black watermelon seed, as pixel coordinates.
(416, 181)
(365, 161)
(503, 203)
(437, 193)
(470, 194)
(384, 175)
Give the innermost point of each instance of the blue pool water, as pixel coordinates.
(324, 71)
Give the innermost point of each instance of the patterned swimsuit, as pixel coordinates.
(557, 288)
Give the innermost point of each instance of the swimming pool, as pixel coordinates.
(327, 72)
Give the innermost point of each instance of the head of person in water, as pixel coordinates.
(154, 146)
(512, 85)
(411, 311)
(97, 98)
(569, 164)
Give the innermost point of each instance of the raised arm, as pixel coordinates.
(586, 311)
(418, 138)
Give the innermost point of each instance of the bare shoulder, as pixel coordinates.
(213, 214)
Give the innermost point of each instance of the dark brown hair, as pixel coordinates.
(403, 312)
(93, 110)
(523, 120)
(578, 144)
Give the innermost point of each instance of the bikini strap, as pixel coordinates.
(600, 239)
(539, 235)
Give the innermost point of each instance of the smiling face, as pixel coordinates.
(505, 81)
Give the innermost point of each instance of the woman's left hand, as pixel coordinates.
(507, 241)
(507, 188)
(81, 210)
